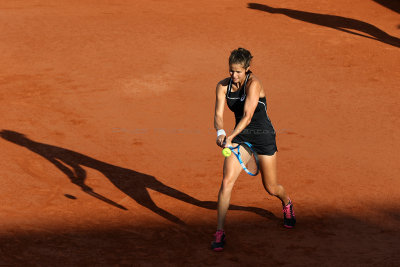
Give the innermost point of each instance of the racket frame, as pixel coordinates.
(237, 154)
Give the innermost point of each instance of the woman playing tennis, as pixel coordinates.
(245, 97)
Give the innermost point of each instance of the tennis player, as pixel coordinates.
(245, 97)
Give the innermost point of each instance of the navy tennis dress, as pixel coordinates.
(260, 132)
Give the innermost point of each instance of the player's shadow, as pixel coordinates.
(352, 26)
(391, 4)
(132, 183)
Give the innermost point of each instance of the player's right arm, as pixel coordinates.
(219, 111)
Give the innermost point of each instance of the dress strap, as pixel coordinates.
(244, 86)
(228, 91)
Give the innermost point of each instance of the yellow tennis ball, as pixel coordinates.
(226, 152)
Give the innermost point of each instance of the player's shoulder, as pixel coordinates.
(223, 85)
(254, 84)
(224, 82)
(254, 80)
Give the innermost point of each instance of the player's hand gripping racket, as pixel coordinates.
(247, 157)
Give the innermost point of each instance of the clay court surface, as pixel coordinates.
(108, 154)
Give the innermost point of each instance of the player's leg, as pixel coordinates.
(269, 178)
(231, 172)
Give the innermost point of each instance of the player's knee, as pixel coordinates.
(272, 189)
(227, 183)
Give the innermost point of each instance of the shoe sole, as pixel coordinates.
(218, 249)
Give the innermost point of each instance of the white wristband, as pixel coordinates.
(221, 132)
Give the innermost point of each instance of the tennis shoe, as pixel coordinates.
(219, 241)
(289, 219)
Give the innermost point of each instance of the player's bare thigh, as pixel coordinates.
(232, 168)
(268, 169)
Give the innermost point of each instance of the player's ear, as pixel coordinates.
(247, 69)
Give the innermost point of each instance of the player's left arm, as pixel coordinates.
(252, 96)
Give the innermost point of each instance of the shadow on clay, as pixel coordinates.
(391, 4)
(329, 238)
(132, 183)
(352, 26)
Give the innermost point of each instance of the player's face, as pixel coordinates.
(237, 72)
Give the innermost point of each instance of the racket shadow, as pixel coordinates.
(132, 183)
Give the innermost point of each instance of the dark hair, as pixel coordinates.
(240, 56)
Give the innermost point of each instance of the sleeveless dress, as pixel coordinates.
(260, 132)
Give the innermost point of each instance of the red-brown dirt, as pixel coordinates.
(108, 148)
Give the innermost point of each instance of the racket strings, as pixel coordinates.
(251, 165)
(249, 159)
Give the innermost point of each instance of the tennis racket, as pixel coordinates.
(247, 157)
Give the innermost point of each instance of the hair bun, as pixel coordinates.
(241, 56)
